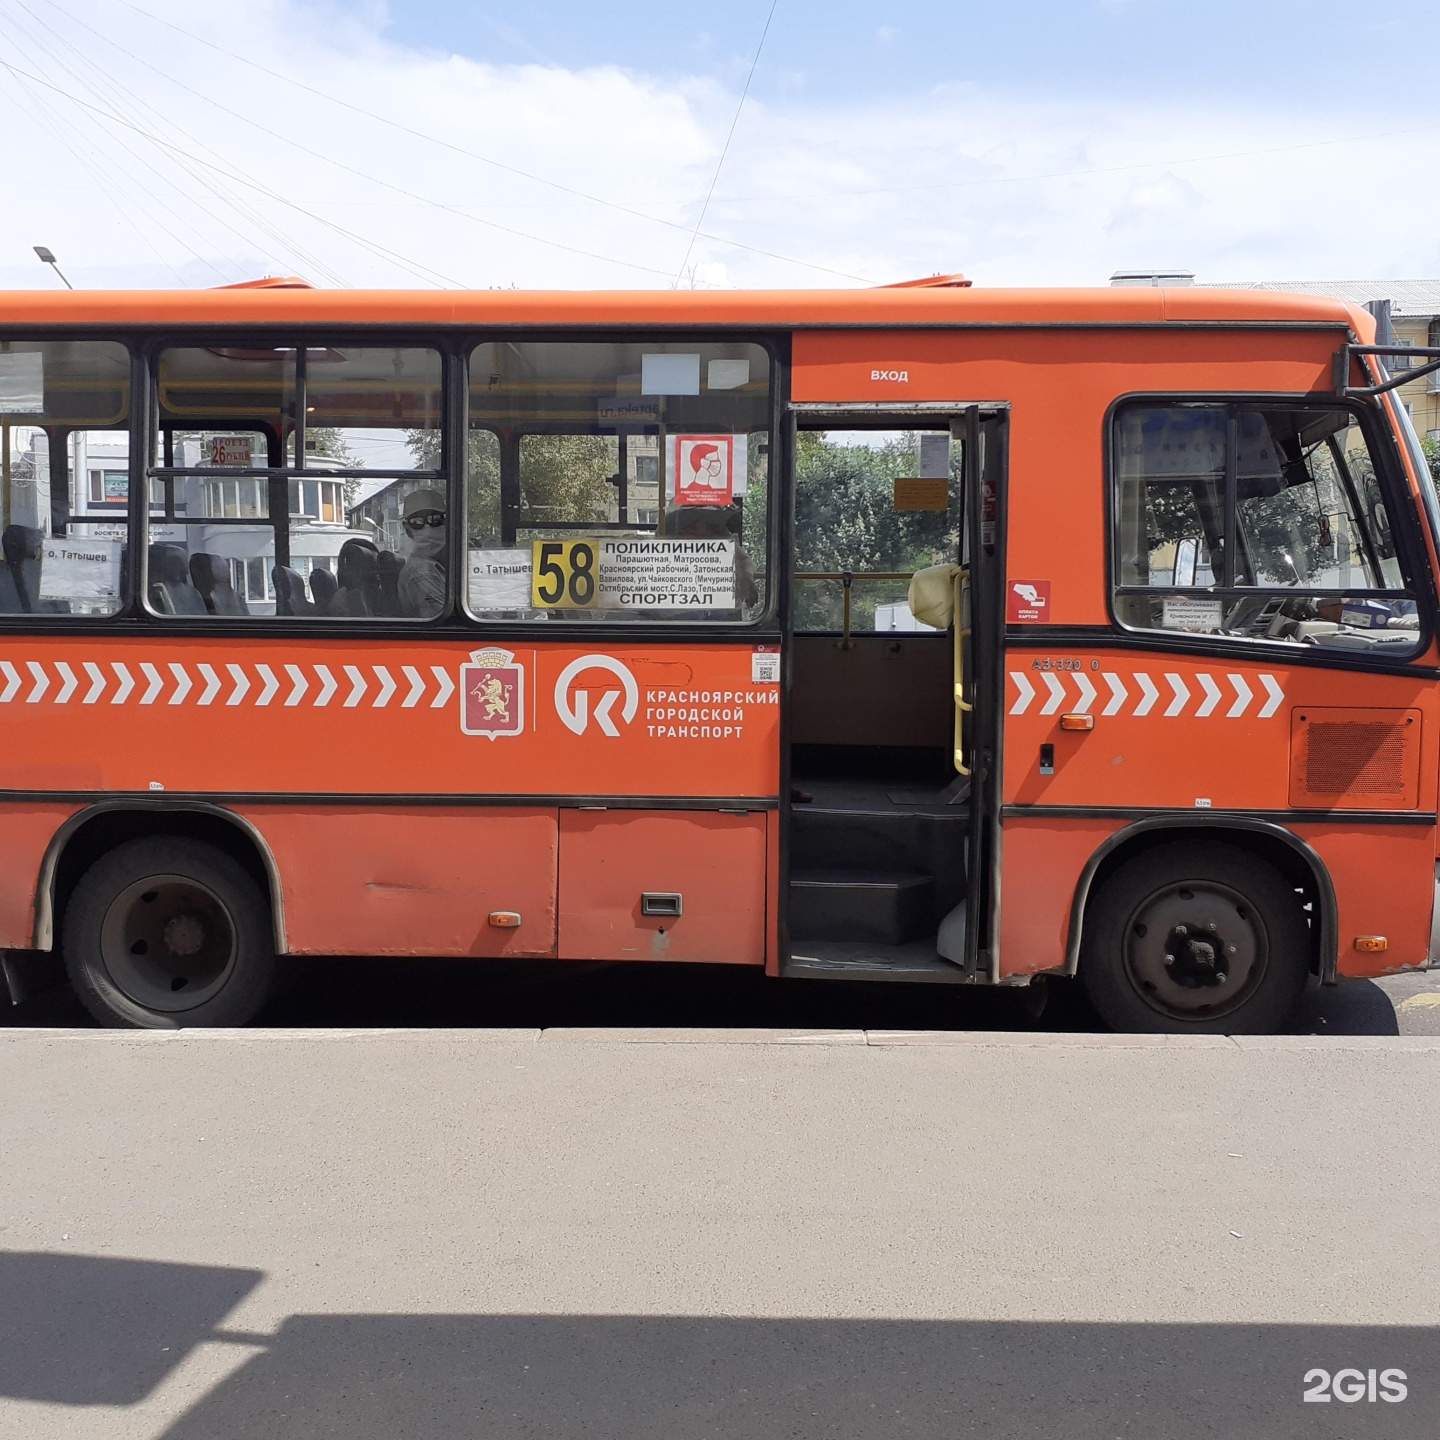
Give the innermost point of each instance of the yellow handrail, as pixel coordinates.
(961, 582)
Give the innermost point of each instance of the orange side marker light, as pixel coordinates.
(1077, 722)
(1371, 944)
(505, 919)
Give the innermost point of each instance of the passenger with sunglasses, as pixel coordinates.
(422, 578)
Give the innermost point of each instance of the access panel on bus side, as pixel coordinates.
(663, 885)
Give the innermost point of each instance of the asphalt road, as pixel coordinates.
(677, 1234)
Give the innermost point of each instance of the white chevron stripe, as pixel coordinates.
(358, 681)
(447, 686)
(327, 686)
(1182, 695)
(212, 684)
(271, 685)
(157, 683)
(1276, 696)
(1026, 689)
(301, 683)
(68, 683)
(98, 682)
(242, 684)
(12, 681)
(127, 683)
(417, 687)
(1057, 693)
(1118, 694)
(1149, 690)
(387, 688)
(42, 682)
(1243, 696)
(1086, 687)
(183, 683)
(1212, 695)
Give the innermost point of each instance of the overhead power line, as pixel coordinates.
(729, 136)
(362, 174)
(414, 267)
(475, 154)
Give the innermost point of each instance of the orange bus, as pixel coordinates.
(924, 633)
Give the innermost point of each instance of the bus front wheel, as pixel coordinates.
(1195, 938)
(165, 932)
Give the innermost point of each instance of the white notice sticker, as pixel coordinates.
(80, 570)
(765, 665)
(500, 579)
(22, 383)
(1196, 616)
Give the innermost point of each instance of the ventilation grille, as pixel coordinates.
(1355, 759)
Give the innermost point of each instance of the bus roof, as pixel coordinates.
(290, 303)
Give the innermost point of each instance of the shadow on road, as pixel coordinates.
(440, 993)
(81, 1330)
(434, 993)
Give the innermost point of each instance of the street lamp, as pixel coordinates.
(47, 257)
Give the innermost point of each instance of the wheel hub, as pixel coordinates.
(168, 943)
(1195, 949)
(184, 935)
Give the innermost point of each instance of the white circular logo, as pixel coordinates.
(574, 711)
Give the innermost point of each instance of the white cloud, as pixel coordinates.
(834, 180)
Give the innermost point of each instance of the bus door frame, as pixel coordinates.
(983, 427)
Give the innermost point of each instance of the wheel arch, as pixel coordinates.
(1295, 860)
(99, 827)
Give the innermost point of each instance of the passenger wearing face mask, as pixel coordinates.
(422, 578)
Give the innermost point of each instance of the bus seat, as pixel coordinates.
(357, 583)
(20, 578)
(210, 575)
(322, 588)
(171, 592)
(387, 571)
(290, 591)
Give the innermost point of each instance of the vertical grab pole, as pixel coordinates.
(961, 583)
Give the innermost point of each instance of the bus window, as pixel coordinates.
(300, 483)
(1262, 522)
(877, 505)
(64, 476)
(613, 482)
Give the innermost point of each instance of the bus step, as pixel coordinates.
(879, 907)
(854, 960)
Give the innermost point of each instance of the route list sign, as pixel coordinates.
(664, 574)
(626, 572)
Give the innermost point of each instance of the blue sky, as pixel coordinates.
(1280, 50)
(560, 144)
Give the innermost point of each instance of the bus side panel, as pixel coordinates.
(27, 831)
(611, 860)
(1384, 878)
(1044, 856)
(413, 881)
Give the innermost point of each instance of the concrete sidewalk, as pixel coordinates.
(660, 1233)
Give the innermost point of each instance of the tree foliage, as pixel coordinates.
(845, 519)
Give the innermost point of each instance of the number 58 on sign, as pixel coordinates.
(563, 575)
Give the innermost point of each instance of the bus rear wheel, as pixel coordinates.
(163, 932)
(1195, 938)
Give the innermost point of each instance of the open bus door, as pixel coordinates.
(890, 811)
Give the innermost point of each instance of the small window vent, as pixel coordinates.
(1355, 759)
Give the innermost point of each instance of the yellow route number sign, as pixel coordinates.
(564, 575)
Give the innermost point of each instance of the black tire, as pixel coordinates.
(164, 933)
(1195, 938)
